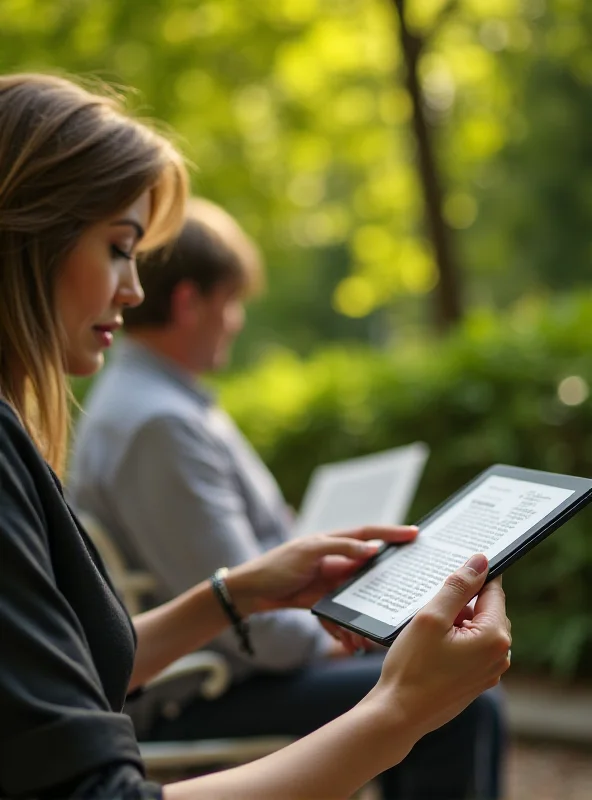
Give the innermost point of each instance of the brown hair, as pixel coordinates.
(68, 158)
(212, 249)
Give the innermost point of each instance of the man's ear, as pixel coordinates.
(186, 304)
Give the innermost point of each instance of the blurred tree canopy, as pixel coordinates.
(297, 118)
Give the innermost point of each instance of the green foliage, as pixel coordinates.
(511, 390)
(296, 118)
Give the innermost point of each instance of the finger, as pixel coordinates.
(503, 664)
(349, 643)
(332, 545)
(347, 639)
(331, 628)
(385, 533)
(491, 603)
(359, 641)
(346, 642)
(338, 566)
(465, 615)
(335, 570)
(458, 590)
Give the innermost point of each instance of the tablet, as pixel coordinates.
(503, 512)
(369, 490)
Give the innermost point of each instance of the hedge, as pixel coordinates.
(488, 394)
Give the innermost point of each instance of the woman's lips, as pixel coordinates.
(104, 334)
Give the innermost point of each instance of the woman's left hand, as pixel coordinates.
(300, 572)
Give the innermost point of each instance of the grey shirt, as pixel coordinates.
(182, 492)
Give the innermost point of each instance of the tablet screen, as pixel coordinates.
(487, 519)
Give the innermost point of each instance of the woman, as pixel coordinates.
(82, 190)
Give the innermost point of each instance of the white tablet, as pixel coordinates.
(503, 513)
(371, 490)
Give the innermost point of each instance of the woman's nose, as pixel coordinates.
(130, 292)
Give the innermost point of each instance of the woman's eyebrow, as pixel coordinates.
(132, 223)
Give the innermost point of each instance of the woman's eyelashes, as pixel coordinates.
(117, 252)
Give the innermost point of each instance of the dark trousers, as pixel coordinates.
(461, 760)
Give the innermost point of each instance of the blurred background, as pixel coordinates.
(418, 174)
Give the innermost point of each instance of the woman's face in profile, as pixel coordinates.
(96, 281)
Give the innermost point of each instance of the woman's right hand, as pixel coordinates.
(440, 663)
(437, 666)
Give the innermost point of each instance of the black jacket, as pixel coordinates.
(66, 644)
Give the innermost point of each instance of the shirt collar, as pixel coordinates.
(131, 350)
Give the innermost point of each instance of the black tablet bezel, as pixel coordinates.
(385, 634)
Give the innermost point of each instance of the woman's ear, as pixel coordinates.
(186, 304)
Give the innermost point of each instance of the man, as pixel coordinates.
(183, 493)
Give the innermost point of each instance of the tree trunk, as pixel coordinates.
(448, 290)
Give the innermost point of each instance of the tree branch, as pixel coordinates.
(448, 291)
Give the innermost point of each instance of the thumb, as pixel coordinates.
(458, 590)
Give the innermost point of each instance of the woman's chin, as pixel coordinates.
(85, 366)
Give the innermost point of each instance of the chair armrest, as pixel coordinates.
(138, 582)
(217, 677)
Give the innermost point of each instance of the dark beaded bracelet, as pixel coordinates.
(240, 626)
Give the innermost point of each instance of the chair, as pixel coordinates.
(210, 666)
(202, 754)
(132, 585)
